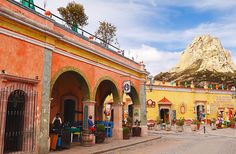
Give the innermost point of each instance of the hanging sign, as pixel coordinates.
(127, 86)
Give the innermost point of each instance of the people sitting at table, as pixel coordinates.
(91, 125)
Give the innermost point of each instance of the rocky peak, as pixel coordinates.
(210, 52)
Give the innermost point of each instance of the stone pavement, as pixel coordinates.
(225, 132)
(108, 145)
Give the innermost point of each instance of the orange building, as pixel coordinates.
(47, 68)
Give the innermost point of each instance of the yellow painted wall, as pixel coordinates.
(214, 99)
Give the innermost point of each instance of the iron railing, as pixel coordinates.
(83, 33)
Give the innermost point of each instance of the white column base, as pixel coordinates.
(144, 131)
(117, 133)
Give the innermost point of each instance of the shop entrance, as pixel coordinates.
(200, 112)
(164, 114)
(14, 122)
(69, 111)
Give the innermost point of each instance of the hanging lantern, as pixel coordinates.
(217, 86)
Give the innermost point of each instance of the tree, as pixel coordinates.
(106, 32)
(74, 15)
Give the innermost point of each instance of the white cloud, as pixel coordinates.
(156, 61)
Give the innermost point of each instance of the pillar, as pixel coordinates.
(88, 109)
(136, 112)
(117, 130)
(143, 110)
(43, 137)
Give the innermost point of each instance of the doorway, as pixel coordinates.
(164, 114)
(200, 112)
(14, 122)
(69, 111)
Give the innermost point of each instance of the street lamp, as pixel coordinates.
(150, 82)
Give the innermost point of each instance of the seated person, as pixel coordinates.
(91, 125)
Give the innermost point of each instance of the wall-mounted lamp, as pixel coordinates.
(150, 82)
(3, 71)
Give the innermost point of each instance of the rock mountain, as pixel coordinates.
(204, 60)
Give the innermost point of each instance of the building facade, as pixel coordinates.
(46, 69)
(171, 102)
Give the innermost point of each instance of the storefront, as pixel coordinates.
(189, 103)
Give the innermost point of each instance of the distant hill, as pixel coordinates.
(203, 61)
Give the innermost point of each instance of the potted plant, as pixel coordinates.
(168, 126)
(126, 133)
(100, 133)
(198, 124)
(232, 123)
(194, 125)
(179, 124)
(87, 138)
(158, 124)
(137, 130)
(213, 124)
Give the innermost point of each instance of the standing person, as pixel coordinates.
(91, 125)
(56, 126)
(57, 122)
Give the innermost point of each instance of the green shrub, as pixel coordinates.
(180, 122)
(100, 128)
(126, 130)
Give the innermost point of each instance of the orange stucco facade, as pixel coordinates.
(59, 65)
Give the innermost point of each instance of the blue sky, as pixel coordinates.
(157, 31)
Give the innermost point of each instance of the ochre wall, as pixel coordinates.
(213, 101)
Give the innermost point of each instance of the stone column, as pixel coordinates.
(43, 139)
(143, 110)
(117, 130)
(136, 112)
(88, 109)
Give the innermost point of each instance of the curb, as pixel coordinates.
(125, 146)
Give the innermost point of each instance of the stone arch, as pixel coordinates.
(134, 95)
(116, 94)
(72, 69)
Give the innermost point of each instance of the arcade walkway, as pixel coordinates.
(108, 146)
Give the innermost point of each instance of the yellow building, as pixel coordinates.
(168, 102)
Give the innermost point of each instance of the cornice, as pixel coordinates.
(13, 78)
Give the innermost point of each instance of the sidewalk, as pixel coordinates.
(226, 132)
(109, 145)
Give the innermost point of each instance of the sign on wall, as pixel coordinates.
(127, 86)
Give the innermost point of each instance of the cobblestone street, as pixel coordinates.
(185, 144)
(220, 141)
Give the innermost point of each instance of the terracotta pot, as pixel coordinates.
(87, 138)
(158, 127)
(179, 128)
(168, 127)
(100, 137)
(126, 136)
(136, 131)
(213, 126)
(193, 127)
(198, 126)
